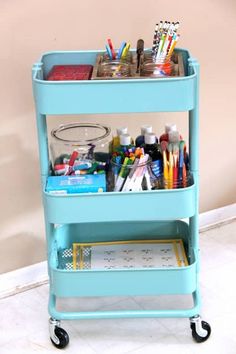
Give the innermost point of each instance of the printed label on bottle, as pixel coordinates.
(157, 167)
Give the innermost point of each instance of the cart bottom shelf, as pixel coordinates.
(122, 282)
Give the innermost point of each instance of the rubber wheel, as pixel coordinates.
(63, 337)
(196, 336)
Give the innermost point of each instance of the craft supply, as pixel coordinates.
(129, 170)
(73, 157)
(79, 143)
(111, 48)
(171, 166)
(126, 254)
(116, 139)
(122, 47)
(70, 72)
(169, 127)
(136, 185)
(175, 167)
(139, 141)
(125, 143)
(125, 51)
(173, 137)
(151, 148)
(124, 171)
(164, 41)
(164, 145)
(76, 184)
(129, 180)
(139, 51)
(181, 159)
(108, 49)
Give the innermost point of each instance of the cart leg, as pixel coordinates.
(59, 337)
(201, 330)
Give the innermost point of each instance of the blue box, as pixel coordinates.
(76, 184)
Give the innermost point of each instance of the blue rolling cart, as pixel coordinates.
(104, 216)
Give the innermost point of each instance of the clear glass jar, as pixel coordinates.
(126, 178)
(155, 68)
(79, 144)
(114, 69)
(185, 181)
(128, 58)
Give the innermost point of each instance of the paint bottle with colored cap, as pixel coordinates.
(139, 141)
(169, 128)
(125, 144)
(116, 139)
(152, 149)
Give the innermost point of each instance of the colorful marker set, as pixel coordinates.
(164, 40)
(129, 169)
(120, 54)
(72, 166)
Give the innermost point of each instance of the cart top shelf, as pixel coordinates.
(111, 96)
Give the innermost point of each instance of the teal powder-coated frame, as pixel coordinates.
(103, 217)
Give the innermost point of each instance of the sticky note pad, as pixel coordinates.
(76, 184)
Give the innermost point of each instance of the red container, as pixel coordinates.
(70, 72)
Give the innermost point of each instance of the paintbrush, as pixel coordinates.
(175, 169)
(171, 165)
(164, 145)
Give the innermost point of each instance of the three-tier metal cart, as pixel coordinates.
(113, 216)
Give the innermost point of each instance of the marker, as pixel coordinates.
(109, 52)
(122, 47)
(73, 157)
(113, 54)
(125, 51)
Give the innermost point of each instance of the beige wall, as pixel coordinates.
(29, 27)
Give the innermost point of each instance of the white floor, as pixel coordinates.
(24, 329)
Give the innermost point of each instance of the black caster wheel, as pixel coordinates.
(62, 336)
(200, 331)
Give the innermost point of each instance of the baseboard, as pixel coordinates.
(35, 275)
(216, 217)
(23, 279)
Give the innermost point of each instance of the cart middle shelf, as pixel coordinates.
(165, 204)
